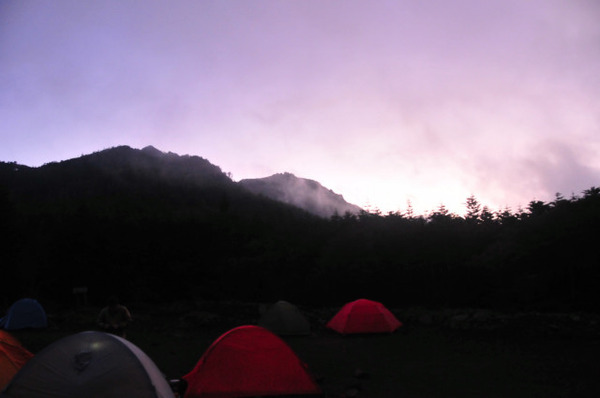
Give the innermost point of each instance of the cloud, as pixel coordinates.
(381, 102)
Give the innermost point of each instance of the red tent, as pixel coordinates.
(12, 357)
(249, 361)
(364, 316)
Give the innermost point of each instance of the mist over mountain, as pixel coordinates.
(148, 225)
(141, 223)
(301, 192)
(148, 171)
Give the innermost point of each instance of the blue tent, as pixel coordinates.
(23, 314)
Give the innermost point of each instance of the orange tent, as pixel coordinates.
(8, 338)
(364, 316)
(249, 361)
(12, 357)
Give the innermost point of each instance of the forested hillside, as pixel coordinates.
(151, 226)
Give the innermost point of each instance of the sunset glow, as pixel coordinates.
(384, 102)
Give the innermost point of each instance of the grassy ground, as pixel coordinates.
(418, 361)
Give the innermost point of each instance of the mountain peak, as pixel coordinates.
(151, 150)
(307, 194)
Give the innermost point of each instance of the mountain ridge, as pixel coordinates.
(301, 192)
(123, 167)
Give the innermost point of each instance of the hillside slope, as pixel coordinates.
(301, 192)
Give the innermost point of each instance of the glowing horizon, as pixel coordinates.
(383, 102)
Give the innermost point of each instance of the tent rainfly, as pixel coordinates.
(364, 316)
(12, 357)
(25, 313)
(285, 319)
(249, 361)
(89, 364)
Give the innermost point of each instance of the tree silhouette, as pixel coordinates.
(83, 222)
(473, 209)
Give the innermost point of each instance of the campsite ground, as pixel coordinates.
(437, 353)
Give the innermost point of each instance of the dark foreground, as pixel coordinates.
(435, 354)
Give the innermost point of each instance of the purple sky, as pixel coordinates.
(384, 102)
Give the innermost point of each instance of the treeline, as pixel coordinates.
(541, 258)
(148, 239)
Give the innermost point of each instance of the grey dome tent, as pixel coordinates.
(92, 365)
(283, 318)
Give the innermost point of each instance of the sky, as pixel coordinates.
(389, 103)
